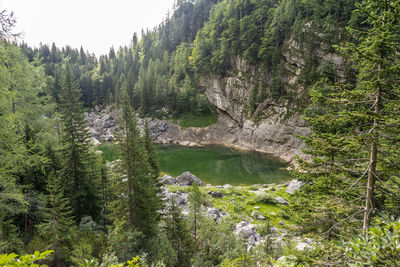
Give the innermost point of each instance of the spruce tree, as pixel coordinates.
(195, 200)
(143, 201)
(58, 222)
(151, 151)
(177, 232)
(354, 145)
(80, 180)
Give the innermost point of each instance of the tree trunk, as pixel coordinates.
(373, 159)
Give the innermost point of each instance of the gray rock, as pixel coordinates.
(213, 213)
(245, 230)
(180, 199)
(281, 223)
(294, 185)
(256, 208)
(257, 215)
(168, 180)
(187, 179)
(217, 194)
(281, 201)
(227, 186)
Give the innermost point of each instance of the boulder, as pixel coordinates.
(168, 180)
(180, 199)
(217, 194)
(226, 186)
(281, 201)
(257, 215)
(187, 179)
(294, 185)
(247, 231)
(213, 213)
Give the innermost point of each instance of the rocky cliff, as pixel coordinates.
(272, 127)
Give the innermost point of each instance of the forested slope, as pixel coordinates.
(330, 66)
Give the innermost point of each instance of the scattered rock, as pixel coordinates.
(180, 198)
(227, 186)
(287, 261)
(214, 214)
(217, 194)
(232, 200)
(257, 215)
(294, 185)
(95, 142)
(247, 231)
(187, 179)
(281, 223)
(256, 208)
(168, 180)
(281, 201)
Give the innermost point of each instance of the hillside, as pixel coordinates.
(315, 83)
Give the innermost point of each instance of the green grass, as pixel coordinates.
(244, 203)
(109, 151)
(203, 120)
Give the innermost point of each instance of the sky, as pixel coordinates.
(96, 25)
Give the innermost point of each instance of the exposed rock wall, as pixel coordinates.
(278, 123)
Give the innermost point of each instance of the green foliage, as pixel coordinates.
(58, 223)
(265, 198)
(205, 120)
(378, 247)
(178, 234)
(136, 197)
(79, 176)
(24, 260)
(109, 152)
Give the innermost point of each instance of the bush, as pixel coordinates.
(379, 247)
(23, 260)
(265, 198)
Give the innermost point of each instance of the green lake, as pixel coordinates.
(220, 165)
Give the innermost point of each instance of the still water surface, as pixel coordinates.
(220, 165)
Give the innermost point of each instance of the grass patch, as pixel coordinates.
(109, 151)
(203, 120)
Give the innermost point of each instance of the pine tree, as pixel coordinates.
(143, 201)
(354, 144)
(151, 151)
(58, 223)
(177, 232)
(195, 200)
(79, 179)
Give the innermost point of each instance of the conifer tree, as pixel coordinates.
(151, 151)
(178, 234)
(354, 144)
(195, 200)
(143, 201)
(76, 157)
(58, 222)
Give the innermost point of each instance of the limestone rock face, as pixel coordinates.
(187, 179)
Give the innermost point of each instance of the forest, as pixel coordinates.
(60, 197)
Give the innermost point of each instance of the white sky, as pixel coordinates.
(94, 24)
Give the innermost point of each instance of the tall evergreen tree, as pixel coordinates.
(143, 201)
(354, 144)
(80, 180)
(178, 234)
(58, 224)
